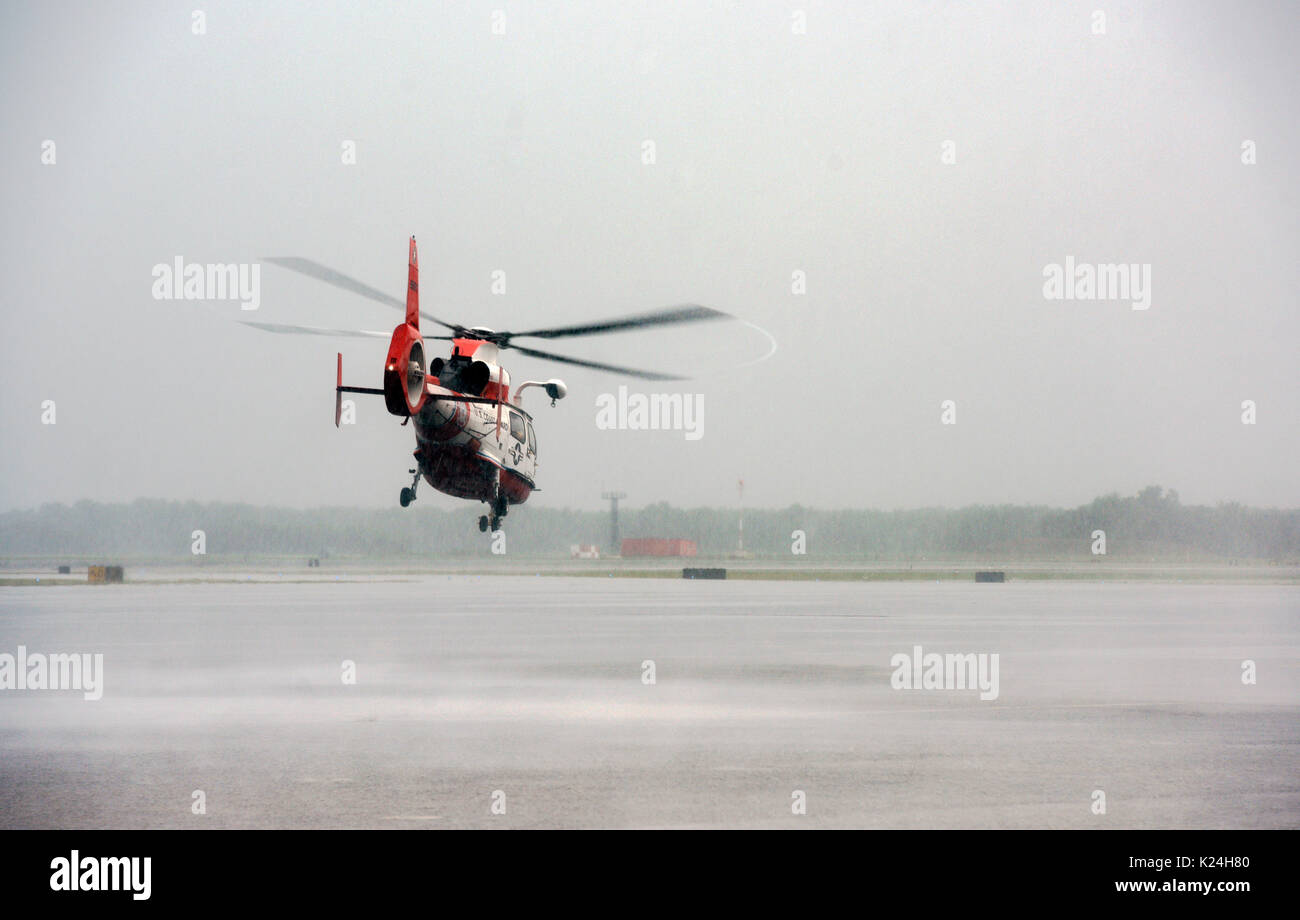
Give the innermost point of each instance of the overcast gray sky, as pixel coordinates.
(776, 152)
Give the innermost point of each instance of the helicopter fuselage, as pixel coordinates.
(468, 443)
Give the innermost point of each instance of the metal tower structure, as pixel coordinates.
(615, 544)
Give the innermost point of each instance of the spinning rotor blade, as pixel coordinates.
(315, 330)
(631, 372)
(686, 313)
(321, 330)
(338, 279)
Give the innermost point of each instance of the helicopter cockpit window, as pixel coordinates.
(532, 440)
(517, 426)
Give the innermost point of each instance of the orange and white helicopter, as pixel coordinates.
(471, 440)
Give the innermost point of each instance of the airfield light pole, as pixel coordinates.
(613, 497)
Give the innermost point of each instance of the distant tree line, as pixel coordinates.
(1151, 524)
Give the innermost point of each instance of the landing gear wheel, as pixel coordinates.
(408, 494)
(499, 508)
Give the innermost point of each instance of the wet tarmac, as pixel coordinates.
(515, 701)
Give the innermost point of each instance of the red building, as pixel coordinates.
(655, 546)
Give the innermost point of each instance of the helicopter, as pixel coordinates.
(473, 439)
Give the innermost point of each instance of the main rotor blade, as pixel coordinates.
(338, 279)
(617, 369)
(316, 330)
(322, 330)
(686, 313)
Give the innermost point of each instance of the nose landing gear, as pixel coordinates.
(408, 495)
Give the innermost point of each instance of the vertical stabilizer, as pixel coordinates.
(413, 290)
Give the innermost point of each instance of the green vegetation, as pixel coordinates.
(1151, 526)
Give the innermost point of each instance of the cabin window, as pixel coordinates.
(517, 426)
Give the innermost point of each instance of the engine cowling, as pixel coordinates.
(404, 371)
